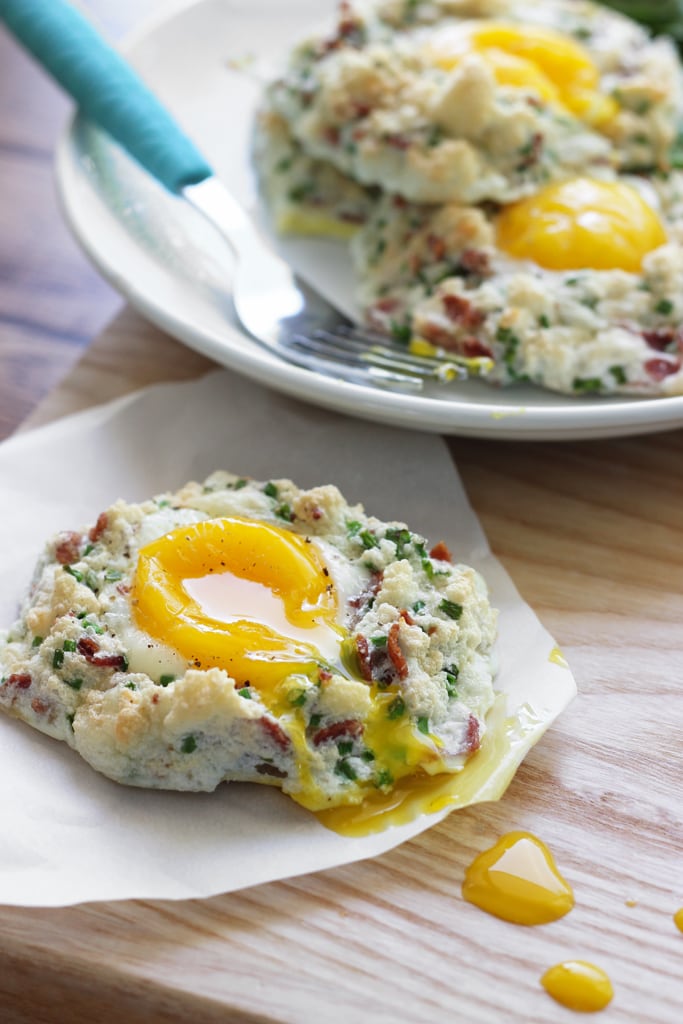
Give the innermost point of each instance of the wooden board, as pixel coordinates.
(592, 534)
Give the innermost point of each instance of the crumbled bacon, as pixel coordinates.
(461, 311)
(441, 552)
(68, 547)
(664, 339)
(270, 769)
(89, 648)
(473, 261)
(472, 736)
(274, 731)
(437, 246)
(363, 648)
(349, 727)
(395, 653)
(39, 706)
(100, 526)
(21, 680)
(407, 617)
(474, 347)
(397, 140)
(362, 601)
(324, 676)
(658, 369)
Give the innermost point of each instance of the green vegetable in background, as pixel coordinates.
(661, 16)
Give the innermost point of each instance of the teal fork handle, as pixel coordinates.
(105, 88)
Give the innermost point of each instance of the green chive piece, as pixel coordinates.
(396, 708)
(188, 745)
(166, 679)
(284, 512)
(58, 659)
(112, 575)
(423, 724)
(451, 609)
(296, 698)
(131, 686)
(245, 692)
(88, 549)
(346, 769)
(368, 539)
(69, 645)
(368, 755)
(345, 746)
(384, 778)
(619, 374)
(270, 490)
(378, 641)
(75, 684)
(665, 307)
(419, 606)
(314, 721)
(78, 576)
(587, 385)
(543, 320)
(37, 641)
(239, 484)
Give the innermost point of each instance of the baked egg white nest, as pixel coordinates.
(507, 174)
(251, 631)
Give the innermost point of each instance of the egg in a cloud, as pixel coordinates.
(253, 631)
(522, 203)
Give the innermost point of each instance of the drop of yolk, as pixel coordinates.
(241, 595)
(581, 224)
(578, 985)
(517, 880)
(678, 919)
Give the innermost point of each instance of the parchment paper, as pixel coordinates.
(69, 835)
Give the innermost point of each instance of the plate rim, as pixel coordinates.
(607, 418)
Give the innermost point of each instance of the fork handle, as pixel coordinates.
(106, 88)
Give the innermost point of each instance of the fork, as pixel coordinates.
(276, 308)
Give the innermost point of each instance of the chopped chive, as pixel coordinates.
(587, 385)
(346, 769)
(37, 641)
(419, 606)
(384, 778)
(69, 645)
(87, 624)
(245, 692)
(314, 721)
(296, 698)
(270, 489)
(239, 484)
(166, 679)
(401, 332)
(452, 673)
(70, 720)
(58, 659)
(423, 724)
(164, 503)
(451, 609)
(619, 374)
(401, 538)
(368, 755)
(378, 641)
(368, 539)
(112, 575)
(78, 576)
(352, 527)
(130, 686)
(284, 512)
(88, 549)
(92, 581)
(188, 745)
(543, 320)
(396, 708)
(345, 746)
(75, 684)
(664, 307)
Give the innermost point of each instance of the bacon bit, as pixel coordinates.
(155, 698)
(461, 311)
(663, 338)
(399, 202)
(395, 653)
(68, 548)
(532, 152)
(349, 727)
(100, 526)
(21, 680)
(274, 731)
(360, 109)
(363, 648)
(407, 617)
(441, 552)
(332, 135)
(658, 369)
(439, 336)
(324, 676)
(437, 246)
(473, 261)
(316, 512)
(351, 217)
(270, 769)
(387, 304)
(123, 588)
(473, 348)
(90, 649)
(360, 602)
(39, 706)
(472, 737)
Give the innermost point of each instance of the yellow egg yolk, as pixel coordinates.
(517, 880)
(581, 224)
(246, 596)
(578, 985)
(530, 57)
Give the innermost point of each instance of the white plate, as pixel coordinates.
(207, 61)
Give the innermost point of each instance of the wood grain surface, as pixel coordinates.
(592, 534)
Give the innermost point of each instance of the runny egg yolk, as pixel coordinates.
(542, 60)
(241, 595)
(581, 224)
